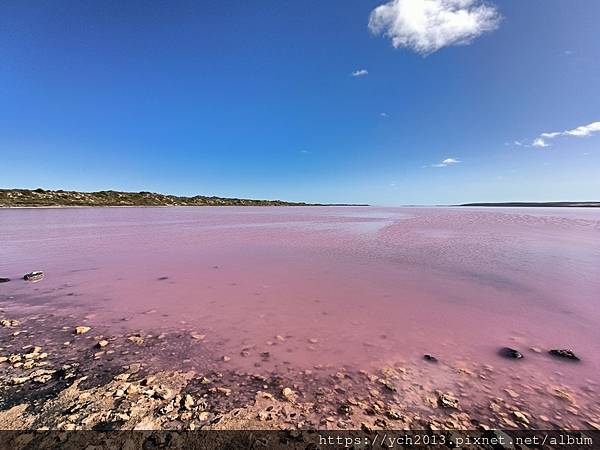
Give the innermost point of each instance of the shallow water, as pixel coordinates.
(352, 287)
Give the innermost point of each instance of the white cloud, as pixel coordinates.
(426, 26)
(360, 73)
(447, 162)
(383, 114)
(582, 131)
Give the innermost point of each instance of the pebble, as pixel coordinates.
(137, 340)
(287, 393)
(446, 400)
(82, 330)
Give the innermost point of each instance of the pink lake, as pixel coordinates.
(344, 286)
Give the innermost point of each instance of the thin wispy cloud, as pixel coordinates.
(582, 131)
(447, 162)
(383, 114)
(426, 26)
(360, 73)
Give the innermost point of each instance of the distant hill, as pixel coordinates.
(42, 197)
(539, 204)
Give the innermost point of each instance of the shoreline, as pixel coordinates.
(104, 380)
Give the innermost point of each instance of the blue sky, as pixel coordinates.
(257, 99)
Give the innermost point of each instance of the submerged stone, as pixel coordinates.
(33, 276)
(431, 358)
(564, 353)
(510, 353)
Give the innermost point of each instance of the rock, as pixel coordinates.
(188, 402)
(345, 409)
(389, 386)
(122, 377)
(564, 353)
(287, 393)
(102, 343)
(198, 337)
(521, 417)
(33, 276)
(137, 340)
(9, 323)
(226, 359)
(511, 353)
(4, 280)
(512, 393)
(35, 354)
(18, 380)
(446, 400)
(3, 359)
(82, 330)
(133, 368)
(280, 338)
(226, 392)
(594, 425)
(313, 340)
(393, 415)
(430, 358)
(366, 427)
(162, 392)
(43, 378)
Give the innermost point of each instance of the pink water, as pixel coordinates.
(372, 285)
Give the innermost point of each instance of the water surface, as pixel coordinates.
(326, 286)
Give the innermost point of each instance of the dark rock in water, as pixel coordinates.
(429, 357)
(162, 278)
(4, 280)
(33, 276)
(511, 353)
(564, 353)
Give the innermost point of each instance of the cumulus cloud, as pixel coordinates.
(426, 26)
(360, 73)
(582, 131)
(447, 162)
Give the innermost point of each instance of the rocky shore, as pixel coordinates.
(57, 373)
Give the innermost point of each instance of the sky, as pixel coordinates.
(387, 103)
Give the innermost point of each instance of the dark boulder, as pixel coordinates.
(564, 353)
(33, 276)
(511, 353)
